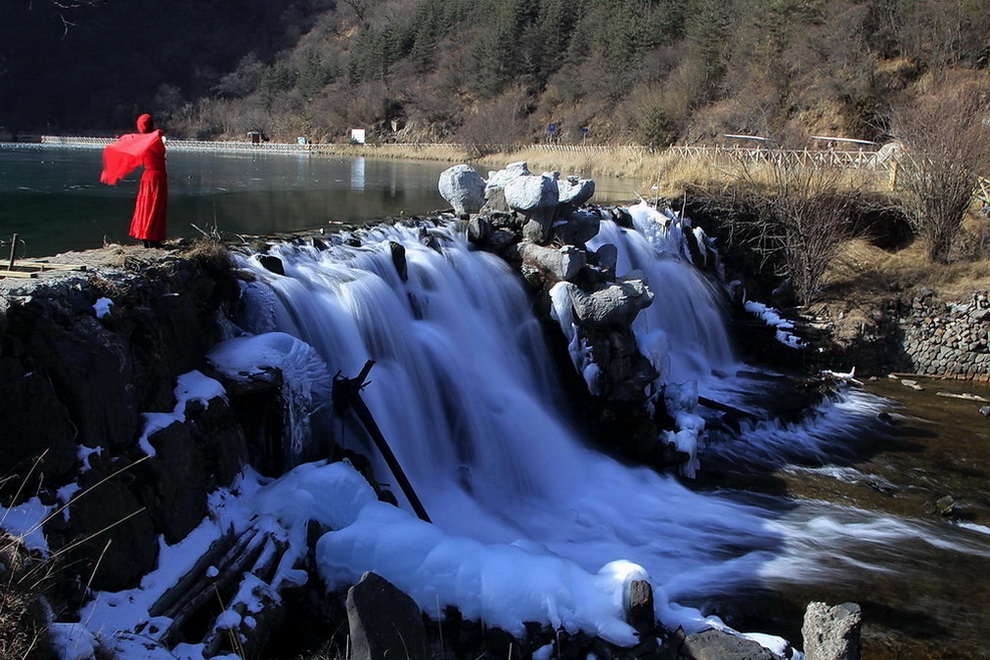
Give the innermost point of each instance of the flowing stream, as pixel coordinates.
(827, 507)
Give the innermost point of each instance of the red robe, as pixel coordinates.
(123, 157)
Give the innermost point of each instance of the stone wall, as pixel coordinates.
(947, 338)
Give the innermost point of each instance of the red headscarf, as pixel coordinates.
(145, 123)
(122, 157)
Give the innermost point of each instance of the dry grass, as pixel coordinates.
(652, 173)
(23, 624)
(868, 272)
(440, 153)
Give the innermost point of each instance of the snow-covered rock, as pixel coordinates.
(574, 190)
(616, 304)
(463, 188)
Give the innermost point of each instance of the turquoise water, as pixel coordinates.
(52, 198)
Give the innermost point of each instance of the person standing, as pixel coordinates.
(147, 148)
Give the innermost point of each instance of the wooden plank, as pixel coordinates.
(16, 273)
(44, 265)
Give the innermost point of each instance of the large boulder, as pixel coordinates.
(175, 490)
(463, 188)
(499, 178)
(528, 193)
(35, 425)
(110, 538)
(91, 372)
(577, 228)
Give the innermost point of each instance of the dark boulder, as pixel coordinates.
(384, 622)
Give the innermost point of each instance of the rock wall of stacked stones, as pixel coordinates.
(948, 338)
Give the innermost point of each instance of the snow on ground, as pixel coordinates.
(770, 316)
(192, 386)
(503, 584)
(24, 522)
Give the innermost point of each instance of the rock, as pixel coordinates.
(714, 644)
(832, 633)
(501, 177)
(575, 191)
(120, 541)
(495, 201)
(616, 304)
(945, 505)
(641, 614)
(528, 193)
(479, 229)
(985, 411)
(35, 423)
(605, 258)
(562, 264)
(274, 264)
(624, 371)
(538, 227)
(578, 228)
(175, 491)
(463, 188)
(398, 252)
(384, 622)
(91, 371)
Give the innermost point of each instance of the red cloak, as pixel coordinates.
(123, 157)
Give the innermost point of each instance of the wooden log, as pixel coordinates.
(726, 408)
(232, 557)
(964, 396)
(244, 639)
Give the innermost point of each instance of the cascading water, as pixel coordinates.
(464, 392)
(684, 331)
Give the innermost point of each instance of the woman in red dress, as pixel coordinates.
(147, 148)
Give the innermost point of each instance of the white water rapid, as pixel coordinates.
(463, 390)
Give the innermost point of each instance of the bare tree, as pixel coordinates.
(800, 214)
(360, 9)
(493, 127)
(947, 138)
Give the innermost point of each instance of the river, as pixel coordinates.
(871, 516)
(53, 199)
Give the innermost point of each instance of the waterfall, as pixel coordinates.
(684, 331)
(464, 391)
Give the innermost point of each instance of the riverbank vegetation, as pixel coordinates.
(647, 72)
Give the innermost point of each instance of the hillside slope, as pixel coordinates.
(632, 71)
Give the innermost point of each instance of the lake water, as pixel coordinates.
(52, 198)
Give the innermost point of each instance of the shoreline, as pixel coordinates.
(667, 172)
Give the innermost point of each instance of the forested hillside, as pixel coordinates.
(630, 71)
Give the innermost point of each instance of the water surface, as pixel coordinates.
(52, 198)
